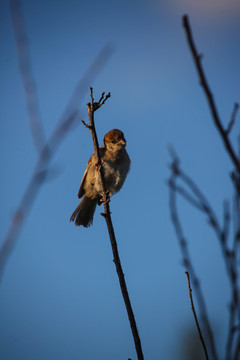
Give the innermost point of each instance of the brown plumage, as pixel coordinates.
(116, 164)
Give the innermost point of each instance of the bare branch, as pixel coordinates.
(237, 350)
(186, 255)
(226, 220)
(104, 99)
(197, 199)
(230, 251)
(92, 107)
(208, 93)
(195, 316)
(230, 256)
(86, 125)
(186, 195)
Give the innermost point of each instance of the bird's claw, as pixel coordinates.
(107, 201)
(97, 164)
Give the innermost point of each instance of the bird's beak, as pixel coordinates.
(122, 142)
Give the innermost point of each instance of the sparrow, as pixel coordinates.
(116, 165)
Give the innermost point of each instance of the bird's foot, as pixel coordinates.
(102, 201)
(97, 164)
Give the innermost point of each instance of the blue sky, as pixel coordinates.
(60, 297)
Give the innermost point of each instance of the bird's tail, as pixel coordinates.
(83, 214)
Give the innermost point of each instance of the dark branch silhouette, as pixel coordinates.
(231, 255)
(187, 262)
(195, 316)
(191, 192)
(92, 107)
(203, 81)
(233, 118)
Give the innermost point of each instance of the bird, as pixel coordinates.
(116, 165)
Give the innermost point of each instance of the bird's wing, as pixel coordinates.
(90, 163)
(81, 191)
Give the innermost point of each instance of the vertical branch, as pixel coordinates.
(187, 259)
(92, 107)
(208, 93)
(29, 84)
(230, 253)
(195, 316)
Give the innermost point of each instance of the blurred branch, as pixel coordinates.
(230, 256)
(39, 174)
(195, 316)
(92, 107)
(48, 149)
(230, 253)
(175, 171)
(233, 118)
(29, 84)
(203, 81)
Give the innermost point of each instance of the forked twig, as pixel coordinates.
(187, 262)
(230, 253)
(195, 316)
(92, 107)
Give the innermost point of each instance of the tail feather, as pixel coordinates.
(83, 214)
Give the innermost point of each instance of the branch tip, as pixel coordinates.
(233, 119)
(91, 95)
(86, 125)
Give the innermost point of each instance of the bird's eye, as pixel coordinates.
(113, 142)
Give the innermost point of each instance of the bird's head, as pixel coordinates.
(114, 141)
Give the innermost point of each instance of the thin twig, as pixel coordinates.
(186, 195)
(237, 350)
(205, 206)
(29, 84)
(230, 255)
(195, 316)
(226, 220)
(208, 93)
(233, 118)
(186, 255)
(92, 107)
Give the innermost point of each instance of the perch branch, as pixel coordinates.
(68, 119)
(92, 107)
